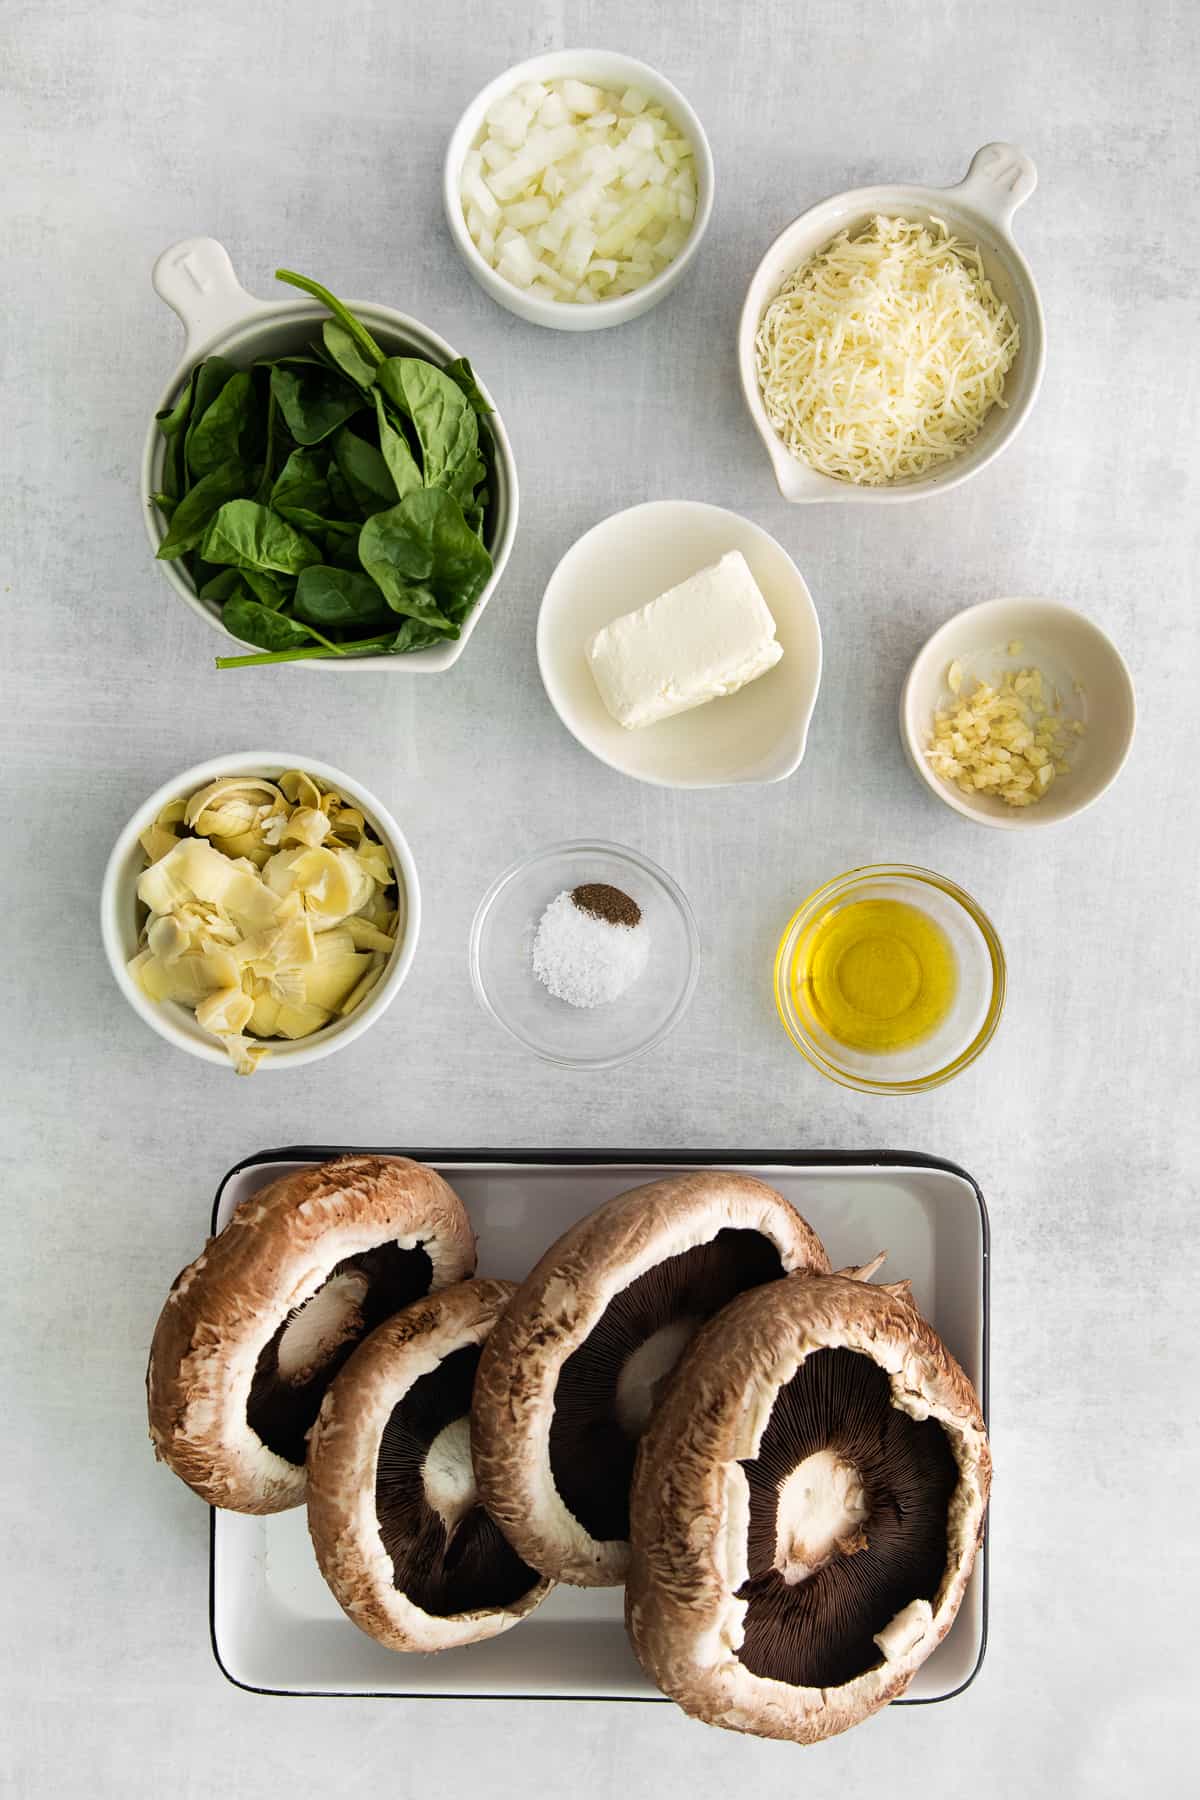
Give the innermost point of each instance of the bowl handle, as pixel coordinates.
(1001, 178)
(195, 277)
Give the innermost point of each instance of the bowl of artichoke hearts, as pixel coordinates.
(260, 911)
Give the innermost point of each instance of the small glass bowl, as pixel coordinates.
(575, 1037)
(978, 1002)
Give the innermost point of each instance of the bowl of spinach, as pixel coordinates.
(323, 482)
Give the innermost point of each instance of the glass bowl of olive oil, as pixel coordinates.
(890, 979)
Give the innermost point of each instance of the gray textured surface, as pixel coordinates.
(313, 134)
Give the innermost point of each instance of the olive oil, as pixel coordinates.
(876, 975)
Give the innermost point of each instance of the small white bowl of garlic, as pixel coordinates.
(577, 187)
(260, 910)
(1018, 712)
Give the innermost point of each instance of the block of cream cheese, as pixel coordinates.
(697, 642)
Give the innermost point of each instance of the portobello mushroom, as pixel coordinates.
(401, 1537)
(572, 1373)
(254, 1330)
(806, 1509)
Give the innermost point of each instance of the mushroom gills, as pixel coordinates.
(607, 1388)
(848, 1521)
(447, 1553)
(296, 1366)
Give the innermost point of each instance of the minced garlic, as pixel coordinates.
(1010, 740)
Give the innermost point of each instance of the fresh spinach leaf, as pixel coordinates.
(172, 422)
(413, 635)
(314, 400)
(222, 587)
(301, 484)
(226, 430)
(364, 471)
(212, 377)
(463, 375)
(341, 600)
(341, 313)
(263, 490)
(250, 536)
(402, 464)
(194, 513)
(271, 591)
(344, 506)
(341, 546)
(343, 348)
(256, 624)
(444, 420)
(425, 557)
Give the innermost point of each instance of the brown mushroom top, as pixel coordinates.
(255, 1328)
(806, 1509)
(576, 1365)
(396, 1521)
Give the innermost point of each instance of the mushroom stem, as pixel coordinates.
(821, 1512)
(864, 1271)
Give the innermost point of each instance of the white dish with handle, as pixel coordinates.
(979, 209)
(197, 281)
(755, 735)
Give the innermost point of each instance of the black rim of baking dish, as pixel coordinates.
(840, 1159)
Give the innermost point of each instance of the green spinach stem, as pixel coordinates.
(355, 327)
(364, 647)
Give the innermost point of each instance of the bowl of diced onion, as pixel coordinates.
(578, 187)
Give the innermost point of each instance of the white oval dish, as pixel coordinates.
(606, 68)
(978, 209)
(758, 734)
(119, 921)
(1067, 648)
(197, 281)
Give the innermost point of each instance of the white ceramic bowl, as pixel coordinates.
(979, 209)
(1068, 648)
(119, 921)
(607, 68)
(197, 281)
(758, 734)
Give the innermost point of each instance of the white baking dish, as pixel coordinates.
(276, 1628)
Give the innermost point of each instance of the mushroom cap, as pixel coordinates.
(691, 1506)
(526, 1366)
(349, 1470)
(374, 1232)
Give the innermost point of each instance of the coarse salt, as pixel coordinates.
(585, 960)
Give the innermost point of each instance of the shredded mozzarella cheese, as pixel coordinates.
(881, 357)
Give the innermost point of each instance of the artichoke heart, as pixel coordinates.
(232, 806)
(307, 825)
(225, 1012)
(189, 979)
(269, 909)
(333, 883)
(302, 790)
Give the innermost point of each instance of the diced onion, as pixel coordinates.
(577, 193)
(880, 358)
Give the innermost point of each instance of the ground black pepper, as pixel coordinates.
(607, 903)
